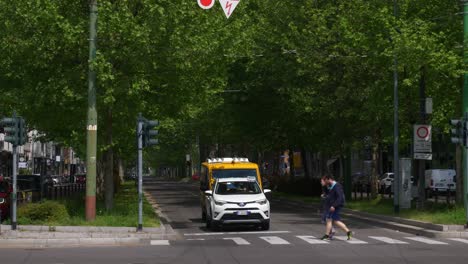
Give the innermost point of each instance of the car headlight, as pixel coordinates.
(2, 200)
(220, 203)
(262, 202)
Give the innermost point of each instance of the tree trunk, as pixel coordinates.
(376, 147)
(459, 184)
(109, 164)
(375, 174)
(118, 173)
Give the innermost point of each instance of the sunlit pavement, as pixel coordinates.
(293, 238)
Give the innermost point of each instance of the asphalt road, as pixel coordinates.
(292, 239)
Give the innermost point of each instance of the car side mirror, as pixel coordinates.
(209, 193)
(266, 191)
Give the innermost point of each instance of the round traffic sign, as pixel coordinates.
(206, 4)
(422, 132)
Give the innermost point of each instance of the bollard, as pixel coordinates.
(436, 197)
(355, 192)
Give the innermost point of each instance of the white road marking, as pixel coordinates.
(238, 240)
(459, 240)
(195, 239)
(388, 240)
(426, 240)
(274, 240)
(312, 240)
(159, 242)
(236, 233)
(353, 241)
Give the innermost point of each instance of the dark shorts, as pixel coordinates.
(336, 215)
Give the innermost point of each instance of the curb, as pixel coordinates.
(70, 242)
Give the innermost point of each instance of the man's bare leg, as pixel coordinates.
(329, 226)
(340, 225)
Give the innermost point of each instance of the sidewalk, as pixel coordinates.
(71, 236)
(394, 223)
(31, 236)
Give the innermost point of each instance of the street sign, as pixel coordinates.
(428, 105)
(22, 165)
(206, 4)
(229, 6)
(423, 156)
(422, 139)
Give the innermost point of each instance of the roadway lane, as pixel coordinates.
(292, 239)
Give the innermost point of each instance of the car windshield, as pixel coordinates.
(239, 173)
(228, 188)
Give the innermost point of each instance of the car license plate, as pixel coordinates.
(243, 212)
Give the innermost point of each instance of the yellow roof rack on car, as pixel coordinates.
(228, 160)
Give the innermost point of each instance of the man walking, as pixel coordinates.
(334, 202)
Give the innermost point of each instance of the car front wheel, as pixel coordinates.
(203, 215)
(266, 225)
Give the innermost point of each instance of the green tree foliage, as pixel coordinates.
(311, 73)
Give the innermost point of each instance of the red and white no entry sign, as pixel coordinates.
(422, 140)
(423, 132)
(206, 4)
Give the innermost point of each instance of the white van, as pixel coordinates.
(440, 180)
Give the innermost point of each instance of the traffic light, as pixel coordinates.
(11, 128)
(459, 131)
(15, 130)
(23, 136)
(149, 132)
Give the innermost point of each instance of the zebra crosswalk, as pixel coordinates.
(277, 240)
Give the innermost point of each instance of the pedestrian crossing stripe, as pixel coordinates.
(312, 240)
(388, 240)
(274, 240)
(238, 240)
(426, 241)
(352, 241)
(159, 242)
(459, 240)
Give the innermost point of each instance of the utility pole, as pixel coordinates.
(421, 164)
(465, 104)
(396, 136)
(139, 171)
(15, 187)
(91, 144)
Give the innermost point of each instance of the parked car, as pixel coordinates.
(52, 180)
(440, 180)
(80, 178)
(5, 192)
(387, 179)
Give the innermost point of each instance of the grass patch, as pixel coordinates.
(433, 213)
(124, 213)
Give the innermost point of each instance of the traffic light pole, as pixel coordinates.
(465, 105)
(91, 144)
(140, 170)
(396, 136)
(14, 194)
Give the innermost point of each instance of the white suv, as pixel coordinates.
(237, 201)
